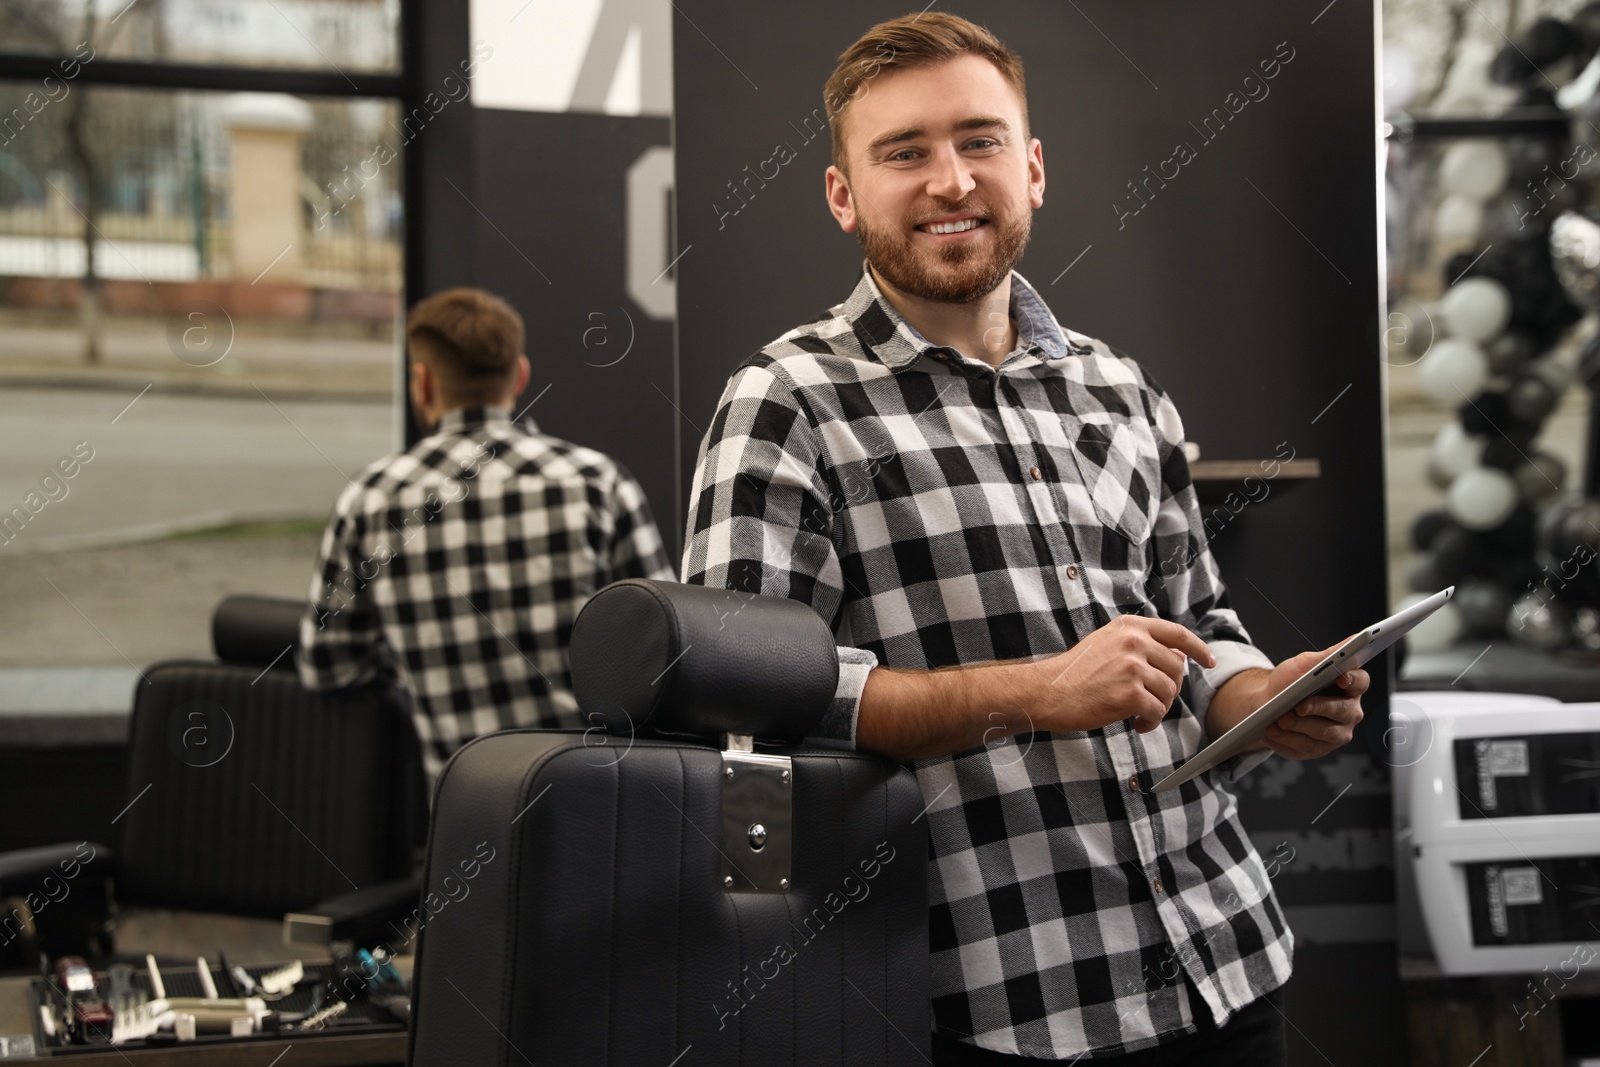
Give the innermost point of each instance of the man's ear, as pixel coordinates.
(1036, 173)
(423, 386)
(840, 200)
(523, 373)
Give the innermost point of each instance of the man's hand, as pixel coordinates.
(1130, 668)
(1318, 724)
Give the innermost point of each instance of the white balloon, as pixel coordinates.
(1474, 169)
(1438, 631)
(1476, 309)
(1482, 498)
(1457, 218)
(1453, 371)
(1399, 78)
(1455, 451)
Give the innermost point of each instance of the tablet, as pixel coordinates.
(1319, 679)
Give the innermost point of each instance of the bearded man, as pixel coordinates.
(996, 517)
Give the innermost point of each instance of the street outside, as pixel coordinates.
(183, 500)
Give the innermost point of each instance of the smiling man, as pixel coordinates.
(996, 517)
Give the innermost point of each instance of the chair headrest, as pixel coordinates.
(670, 659)
(255, 630)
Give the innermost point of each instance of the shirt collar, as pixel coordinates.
(464, 420)
(897, 344)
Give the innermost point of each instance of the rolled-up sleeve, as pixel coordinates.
(1186, 585)
(761, 518)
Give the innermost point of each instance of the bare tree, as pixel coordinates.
(48, 23)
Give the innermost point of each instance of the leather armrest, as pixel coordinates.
(362, 916)
(26, 870)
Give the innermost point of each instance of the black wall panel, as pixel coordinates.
(552, 240)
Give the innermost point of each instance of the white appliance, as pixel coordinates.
(1498, 809)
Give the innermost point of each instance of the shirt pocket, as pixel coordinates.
(1120, 469)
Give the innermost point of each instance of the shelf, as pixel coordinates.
(1214, 479)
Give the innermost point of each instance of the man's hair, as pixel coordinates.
(470, 339)
(905, 43)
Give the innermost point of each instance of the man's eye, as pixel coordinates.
(983, 142)
(904, 155)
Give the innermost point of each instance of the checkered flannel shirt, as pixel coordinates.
(458, 567)
(938, 511)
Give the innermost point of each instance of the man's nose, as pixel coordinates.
(949, 177)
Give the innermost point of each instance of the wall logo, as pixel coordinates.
(609, 57)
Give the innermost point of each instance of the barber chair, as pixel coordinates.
(686, 874)
(247, 795)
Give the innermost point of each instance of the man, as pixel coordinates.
(459, 565)
(995, 515)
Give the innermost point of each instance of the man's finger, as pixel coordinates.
(1334, 708)
(1355, 682)
(1335, 731)
(1185, 640)
(1289, 745)
(1169, 661)
(1163, 686)
(1300, 743)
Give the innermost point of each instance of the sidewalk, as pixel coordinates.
(149, 351)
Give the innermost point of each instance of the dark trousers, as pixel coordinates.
(1253, 1037)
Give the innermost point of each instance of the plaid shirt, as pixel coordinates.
(458, 567)
(939, 511)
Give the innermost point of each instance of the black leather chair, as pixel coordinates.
(247, 794)
(685, 881)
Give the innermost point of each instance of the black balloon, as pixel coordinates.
(1458, 552)
(1510, 352)
(1570, 528)
(1424, 575)
(1516, 573)
(1532, 399)
(1535, 96)
(1528, 156)
(1461, 265)
(1502, 453)
(1586, 628)
(1541, 45)
(1585, 22)
(1486, 414)
(1515, 535)
(1483, 604)
(1427, 527)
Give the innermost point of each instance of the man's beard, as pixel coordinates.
(955, 273)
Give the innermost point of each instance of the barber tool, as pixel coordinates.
(210, 1015)
(158, 988)
(231, 976)
(286, 1018)
(283, 979)
(202, 970)
(325, 1016)
(128, 1002)
(243, 984)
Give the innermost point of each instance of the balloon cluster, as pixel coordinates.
(1521, 551)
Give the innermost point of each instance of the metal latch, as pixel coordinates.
(757, 818)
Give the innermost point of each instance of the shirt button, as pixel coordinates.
(1156, 885)
(1133, 784)
(1035, 472)
(1072, 572)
